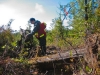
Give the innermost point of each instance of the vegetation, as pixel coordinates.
(79, 33)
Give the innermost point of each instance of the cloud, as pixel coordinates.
(21, 12)
(38, 9)
(6, 13)
(65, 22)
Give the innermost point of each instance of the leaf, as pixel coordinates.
(90, 3)
(4, 46)
(13, 44)
(88, 69)
(71, 53)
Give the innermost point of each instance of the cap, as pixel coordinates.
(32, 19)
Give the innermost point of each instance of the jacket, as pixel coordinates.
(39, 29)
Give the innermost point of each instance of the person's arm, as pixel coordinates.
(36, 27)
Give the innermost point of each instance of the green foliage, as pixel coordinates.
(9, 45)
(21, 60)
(60, 35)
(88, 69)
(6, 38)
(57, 33)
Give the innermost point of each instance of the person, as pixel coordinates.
(40, 33)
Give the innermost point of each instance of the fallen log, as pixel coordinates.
(58, 56)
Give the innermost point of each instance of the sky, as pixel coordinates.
(22, 10)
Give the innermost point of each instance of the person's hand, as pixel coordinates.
(28, 36)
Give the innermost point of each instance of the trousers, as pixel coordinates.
(42, 43)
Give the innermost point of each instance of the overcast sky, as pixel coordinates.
(22, 10)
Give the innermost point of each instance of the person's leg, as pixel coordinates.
(43, 45)
(43, 48)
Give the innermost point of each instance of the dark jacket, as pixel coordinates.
(39, 29)
(36, 27)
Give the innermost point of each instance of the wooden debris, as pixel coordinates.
(58, 56)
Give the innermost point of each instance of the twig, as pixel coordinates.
(54, 68)
(46, 72)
